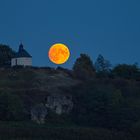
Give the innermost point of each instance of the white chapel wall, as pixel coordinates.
(24, 61)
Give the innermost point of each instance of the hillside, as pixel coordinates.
(84, 103)
(35, 79)
(35, 85)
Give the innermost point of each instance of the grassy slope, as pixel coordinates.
(31, 131)
(34, 84)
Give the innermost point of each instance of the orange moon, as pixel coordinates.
(59, 53)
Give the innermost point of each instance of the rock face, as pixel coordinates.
(38, 113)
(60, 103)
(57, 103)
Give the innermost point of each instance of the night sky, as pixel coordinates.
(107, 27)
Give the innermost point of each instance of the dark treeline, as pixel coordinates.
(109, 97)
(84, 69)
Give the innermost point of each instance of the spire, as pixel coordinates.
(20, 47)
(22, 52)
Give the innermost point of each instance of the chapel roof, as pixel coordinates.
(22, 52)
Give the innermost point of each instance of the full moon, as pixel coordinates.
(59, 53)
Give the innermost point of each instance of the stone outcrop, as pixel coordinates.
(59, 104)
(38, 113)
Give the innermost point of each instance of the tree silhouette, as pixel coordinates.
(102, 65)
(127, 71)
(83, 67)
(6, 53)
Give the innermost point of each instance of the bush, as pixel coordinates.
(96, 105)
(11, 107)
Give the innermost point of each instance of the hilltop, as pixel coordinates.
(90, 97)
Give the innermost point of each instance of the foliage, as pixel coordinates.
(83, 67)
(102, 66)
(95, 104)
(30, 131)
(126, 71)
(135, 130)
(6, 53)
(11, 107)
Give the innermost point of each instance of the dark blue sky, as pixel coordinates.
(107, 27)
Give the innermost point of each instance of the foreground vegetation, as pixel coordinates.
(31, 131)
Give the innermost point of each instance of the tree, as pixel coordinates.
(6, 53)
(102, 65)
(127, 71)
(83, 67)
(96, 104)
